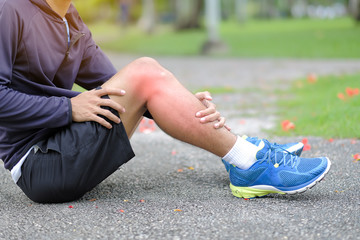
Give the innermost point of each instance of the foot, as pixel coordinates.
(295, 148)
(277, 171)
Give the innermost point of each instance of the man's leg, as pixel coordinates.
(254, 171)
(149, 86)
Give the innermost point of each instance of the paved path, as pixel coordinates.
(174, 191)
(196, 72)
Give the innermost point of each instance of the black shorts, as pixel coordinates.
(73, 161)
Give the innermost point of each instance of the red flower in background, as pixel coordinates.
(307, 146)
(341, 96)
(147, 126)
(312, 78)
(287, 125)
(352, 91)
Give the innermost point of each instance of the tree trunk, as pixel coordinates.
(187, 13)
(268, 9)
(354, 9)
(147, 20)
(241, 10)
(212, 19)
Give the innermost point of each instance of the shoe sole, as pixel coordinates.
(263, 190)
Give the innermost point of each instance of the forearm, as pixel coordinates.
(24, 111)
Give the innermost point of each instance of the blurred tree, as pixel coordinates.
(268, 9)
(92, 10)
(227, 9)
(240, 10)
(213, 43)
(285, 7)
(354, 9)
(147, 19)
(187, 13)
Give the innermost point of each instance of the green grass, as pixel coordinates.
(217, 90)
(77, 88)
(132, 40)
(316, 110)
(298, 38)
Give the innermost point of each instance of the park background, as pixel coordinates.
(251, 29)
(247, 28)
(289, 62)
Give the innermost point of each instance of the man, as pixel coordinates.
(59, 144)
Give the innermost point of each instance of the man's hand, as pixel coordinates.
(210, 114)
(87, 106)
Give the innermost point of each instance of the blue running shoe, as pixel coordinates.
(276, 171)
(295, 148)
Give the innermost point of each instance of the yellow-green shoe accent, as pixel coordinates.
(246, 192)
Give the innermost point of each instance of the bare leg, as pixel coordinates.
(149, 86)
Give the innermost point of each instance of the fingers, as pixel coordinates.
(203, 96)
(110, 103)
(87, 106)
(220, 123)
(109, 115)
(102, 121)
(218, 120)
(210, 114)
(210, 117)
(109, 91)
(106, 113)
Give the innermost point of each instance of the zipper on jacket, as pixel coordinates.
(67, 31)
(72, 43)
(74, 40)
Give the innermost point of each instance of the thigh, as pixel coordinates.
(134, 104)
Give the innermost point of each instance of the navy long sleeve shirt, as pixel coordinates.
(37, 71)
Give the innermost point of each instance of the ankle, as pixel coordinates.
(242, 154)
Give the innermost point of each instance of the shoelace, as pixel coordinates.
(286, 158)
(257, 141)
(276, 145)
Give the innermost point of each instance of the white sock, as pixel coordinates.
(242, 154)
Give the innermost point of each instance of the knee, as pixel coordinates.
(146, 62)
(148, 69)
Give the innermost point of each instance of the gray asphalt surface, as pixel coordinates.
(172, 190)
